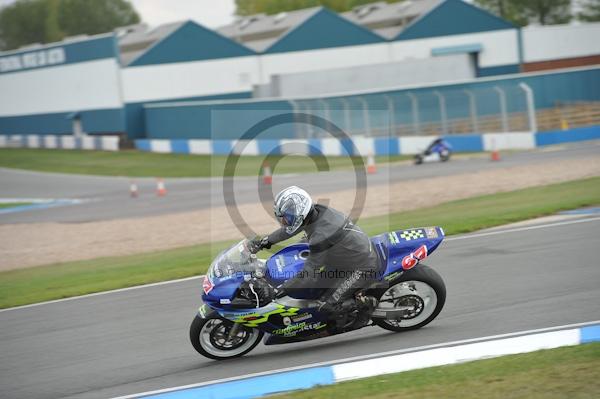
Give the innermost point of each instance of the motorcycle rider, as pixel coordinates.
(341, 262)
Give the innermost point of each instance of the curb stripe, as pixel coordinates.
(257, 386)
(102, 143)
(327, 373)
(405, 145)
(590, 334)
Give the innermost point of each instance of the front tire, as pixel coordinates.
(420, 291)
(210, 338)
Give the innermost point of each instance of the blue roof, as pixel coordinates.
(324, 29)
(191, 42)
(453, 17)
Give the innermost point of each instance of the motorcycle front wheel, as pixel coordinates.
(420, 294)
(213, 338)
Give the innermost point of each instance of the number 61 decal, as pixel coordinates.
(414, 258)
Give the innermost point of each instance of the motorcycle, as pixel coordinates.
(234, 317)
(438, 150)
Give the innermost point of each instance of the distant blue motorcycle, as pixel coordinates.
(439, 149)
(233, 318)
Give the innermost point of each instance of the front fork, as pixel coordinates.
(233, 331)
(206, 312)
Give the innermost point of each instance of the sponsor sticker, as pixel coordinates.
(301, 317)
(207, 285)
(280, 263)
(392, 276)
(431, 232)
(203, 310)
(225, 301)
(287, 321)
(235, 315)
(294, 329)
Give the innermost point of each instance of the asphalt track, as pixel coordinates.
(108, 197)
(136, 340)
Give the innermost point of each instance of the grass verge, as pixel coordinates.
(570, 372)
(146, 164)
(12, 204)
(36, 284)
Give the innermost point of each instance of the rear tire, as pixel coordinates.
(423, 274)
(203, 333)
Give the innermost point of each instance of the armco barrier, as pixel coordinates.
(411, 359)
(101, 143)
(365, 146)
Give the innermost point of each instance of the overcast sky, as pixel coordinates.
(211, 13)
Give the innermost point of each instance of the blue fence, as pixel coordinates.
(229, 120)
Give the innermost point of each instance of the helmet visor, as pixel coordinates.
(286, 214)
(289, 216)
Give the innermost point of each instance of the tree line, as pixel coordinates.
(543, 12)
(44, 21)
(519, 12)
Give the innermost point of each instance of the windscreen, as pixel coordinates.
(234, 262)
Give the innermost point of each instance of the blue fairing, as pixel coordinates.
(443, 145)
(286, 263)
(393, 247)
(224, 289)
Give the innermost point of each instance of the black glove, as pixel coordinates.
(280, 293)
(258, 243)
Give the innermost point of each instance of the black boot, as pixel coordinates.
(366, 306)
(342, 315)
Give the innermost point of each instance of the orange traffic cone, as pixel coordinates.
(267, 176)
(495, 155)
(371, 166)
(133, 190)
(495, 152)
(161, 190)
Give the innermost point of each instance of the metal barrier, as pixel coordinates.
(437, 112)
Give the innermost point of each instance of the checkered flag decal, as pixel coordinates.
(409, 235)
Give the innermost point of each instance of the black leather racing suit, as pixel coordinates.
(341, 261)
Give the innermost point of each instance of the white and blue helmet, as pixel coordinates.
(292, 206)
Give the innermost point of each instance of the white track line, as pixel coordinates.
(463, 237)
(363, 357)
(518, 229)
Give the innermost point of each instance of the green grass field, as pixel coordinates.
(569, 372)
(145, 164)
(36, 284)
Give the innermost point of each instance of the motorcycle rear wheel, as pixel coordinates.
(210, 338)
(421, 292)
